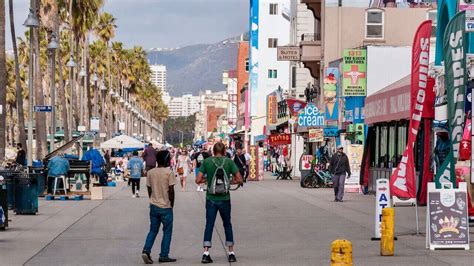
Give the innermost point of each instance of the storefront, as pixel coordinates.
(387, 115)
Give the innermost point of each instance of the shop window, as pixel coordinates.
(293, 77)
(273, 9)
(433, 16)
(272, 74)
(272, 42)
(374, 24)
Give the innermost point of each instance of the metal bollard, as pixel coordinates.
(341, 252)
(387, 232)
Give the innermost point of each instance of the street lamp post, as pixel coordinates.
(31, 22)
(52, 46)
(181, 144)
(82, 84)
(71, 64)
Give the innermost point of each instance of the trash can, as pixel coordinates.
(26, 194)
(9, 176)
(3, 203)
(38, 173)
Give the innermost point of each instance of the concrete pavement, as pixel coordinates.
(275, 223)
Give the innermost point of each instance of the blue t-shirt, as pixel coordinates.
(135, 165)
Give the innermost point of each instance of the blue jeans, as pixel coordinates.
(224, 209)
(160, 216)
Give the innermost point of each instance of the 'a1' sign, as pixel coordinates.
(382, 200)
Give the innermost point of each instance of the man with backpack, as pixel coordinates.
(216, 172)
(198, 157)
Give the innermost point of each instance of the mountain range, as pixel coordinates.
(196, 68)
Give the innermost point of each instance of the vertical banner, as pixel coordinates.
(354, 81)
(402, 181)
(455, 82)
(330, 86)
(253, 61)
(254, 163)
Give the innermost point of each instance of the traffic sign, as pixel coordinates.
(43, 108)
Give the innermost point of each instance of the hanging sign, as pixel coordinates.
(43, 108)
(354, 82)
(280, 139)
(295, 105)
(272, 109)
(447, 219)
(316, 135)
(311, 117)
(95, 124)
(382, 200)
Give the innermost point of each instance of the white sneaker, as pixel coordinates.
(134, 196)
(137, 194)
(198, 188)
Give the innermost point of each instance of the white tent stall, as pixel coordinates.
(122, 142)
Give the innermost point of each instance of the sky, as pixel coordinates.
(163, 23)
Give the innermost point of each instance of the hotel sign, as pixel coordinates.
(288, 53)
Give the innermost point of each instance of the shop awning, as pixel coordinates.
(392, 103)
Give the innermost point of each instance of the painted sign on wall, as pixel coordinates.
(331, 84)
(354, 81)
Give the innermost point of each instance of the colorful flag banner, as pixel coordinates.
(455, 82)
(402, 181)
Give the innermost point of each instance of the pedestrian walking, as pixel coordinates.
(107, 161)
(339, 167)
(160, 183)
(149, 156)
(135, 166)
(198, 157)
(183, 167)
(216, 171)
(240, 161)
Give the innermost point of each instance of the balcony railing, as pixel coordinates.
(311, 37)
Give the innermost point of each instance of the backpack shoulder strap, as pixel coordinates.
(219, 166)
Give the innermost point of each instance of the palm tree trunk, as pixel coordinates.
(62, 98)
(40, 125)
(88, 86)
(3, 81)
(18, 89)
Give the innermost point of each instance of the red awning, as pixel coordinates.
(389, 104)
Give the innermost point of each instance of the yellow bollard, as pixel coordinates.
(341, 253)
(387, 232)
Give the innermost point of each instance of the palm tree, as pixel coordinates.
(105, 30)
(40, 127)
(18, 89)
(3, 80)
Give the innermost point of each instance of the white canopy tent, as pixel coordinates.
(156, 144)
(122, 142)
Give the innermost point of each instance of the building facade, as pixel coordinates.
(185, 105)
(229, 79)
(212, 105)
(158, 76)
(269, 28)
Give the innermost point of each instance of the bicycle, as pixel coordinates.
(318, 177)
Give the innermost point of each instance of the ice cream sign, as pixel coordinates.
(311, 117)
